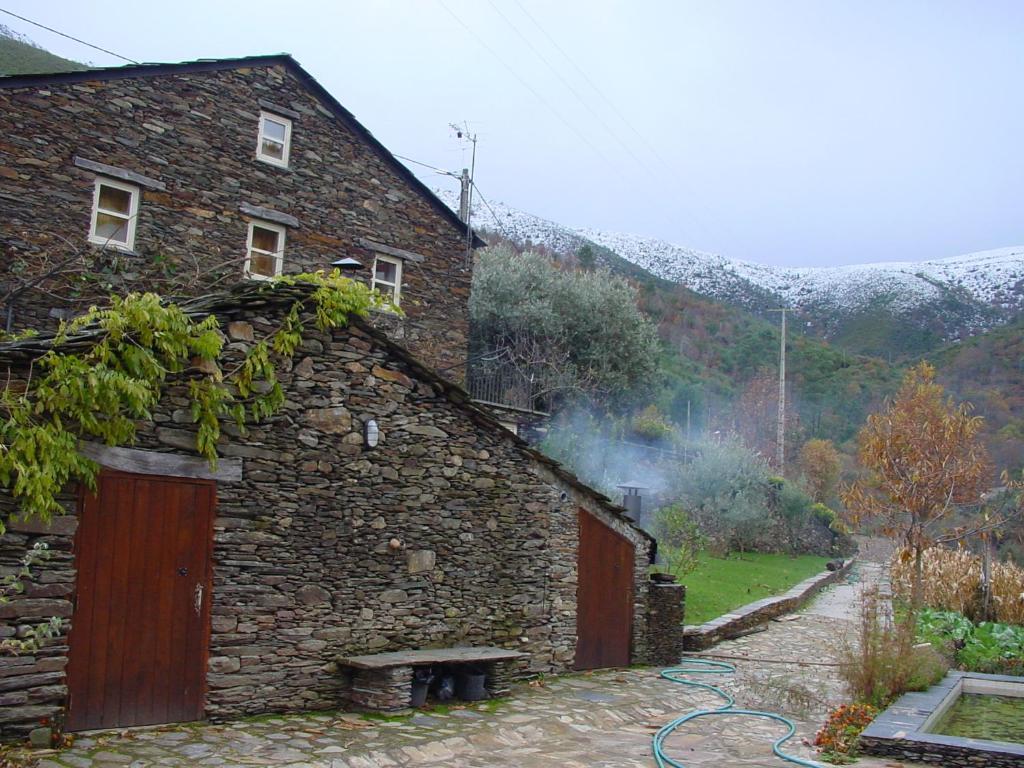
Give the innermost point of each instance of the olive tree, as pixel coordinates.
(575, 333)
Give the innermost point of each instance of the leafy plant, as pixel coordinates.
(681, 538)
(989, 647)
(105, 370)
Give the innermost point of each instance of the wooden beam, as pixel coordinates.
(163, 464)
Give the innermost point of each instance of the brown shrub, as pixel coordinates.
(884, 662)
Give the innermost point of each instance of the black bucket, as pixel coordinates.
(420, 685)
(469, 685)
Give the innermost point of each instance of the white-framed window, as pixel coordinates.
(115, 208)
(264, 256)
(387, 277)
(275, 139)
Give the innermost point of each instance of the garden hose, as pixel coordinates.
(706, 667)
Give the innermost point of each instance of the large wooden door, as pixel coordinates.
(140, 628)
(604, 596)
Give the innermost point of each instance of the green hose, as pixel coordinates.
(706, 667)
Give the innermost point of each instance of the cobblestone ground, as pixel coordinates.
(591, 720)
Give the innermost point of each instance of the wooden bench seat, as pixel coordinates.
(383, 681)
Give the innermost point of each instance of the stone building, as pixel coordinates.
(194, 593)
(183, 178)
(187, 592)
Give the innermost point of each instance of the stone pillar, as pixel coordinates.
(381, 689)
(665, 613)
(500, 676)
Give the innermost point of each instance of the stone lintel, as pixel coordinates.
(119, 173)
(268, 214)
(398, 253)
(277, 109)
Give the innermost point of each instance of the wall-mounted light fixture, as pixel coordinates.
(371, 433)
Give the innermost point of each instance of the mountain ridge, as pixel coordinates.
(908, 307)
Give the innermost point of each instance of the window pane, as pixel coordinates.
(113, 228)
(273, 149)
(262, 264)
(114, 199)
(273, 130)
(264, 239)
(386, 271)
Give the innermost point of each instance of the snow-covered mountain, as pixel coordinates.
(950, 297)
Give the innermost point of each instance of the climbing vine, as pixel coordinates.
(104, 372)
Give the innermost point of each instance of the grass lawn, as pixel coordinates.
(720, 584)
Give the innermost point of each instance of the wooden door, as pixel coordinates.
(139, 634)
(604, 596)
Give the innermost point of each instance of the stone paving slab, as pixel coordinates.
(598, 720)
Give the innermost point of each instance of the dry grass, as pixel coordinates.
(952, 582)
(884, 662)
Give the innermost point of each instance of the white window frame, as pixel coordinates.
(278, 257)
(394, 290)
(133, 214)
(286, 151)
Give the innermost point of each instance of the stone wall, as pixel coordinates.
(739, 620)
(195, 133)
(666, 615)
(303, 570)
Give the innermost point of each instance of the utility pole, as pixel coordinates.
(780, 445)
(466, 194)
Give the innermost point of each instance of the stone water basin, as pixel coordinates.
(967, 719)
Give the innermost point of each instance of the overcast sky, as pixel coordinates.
(795, 132)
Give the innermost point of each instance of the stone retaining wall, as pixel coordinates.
(702, 636)
(304, 571)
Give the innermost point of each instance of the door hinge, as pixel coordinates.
(199, 599)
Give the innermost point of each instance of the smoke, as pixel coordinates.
(604, 453)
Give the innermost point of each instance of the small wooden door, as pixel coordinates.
(140, 628)
(604, 596)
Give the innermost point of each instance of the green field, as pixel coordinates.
(720, 584)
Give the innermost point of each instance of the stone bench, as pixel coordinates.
(383, 681)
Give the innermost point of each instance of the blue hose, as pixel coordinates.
(706, 667)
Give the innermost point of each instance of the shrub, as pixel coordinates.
(952, 582)
(651, 424)
(726, 491)
(885, 663)
(838, 737)
(681, 538)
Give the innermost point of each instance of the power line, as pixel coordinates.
(593, 85)
(597, 115)
(493, 214)
(69, 37)
(529, 87)
(442, 171)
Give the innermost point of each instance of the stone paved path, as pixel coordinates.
(591, 720)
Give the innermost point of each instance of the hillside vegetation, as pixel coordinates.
(18, 56)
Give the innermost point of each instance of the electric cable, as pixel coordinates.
(69, 37)
(483, 44)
